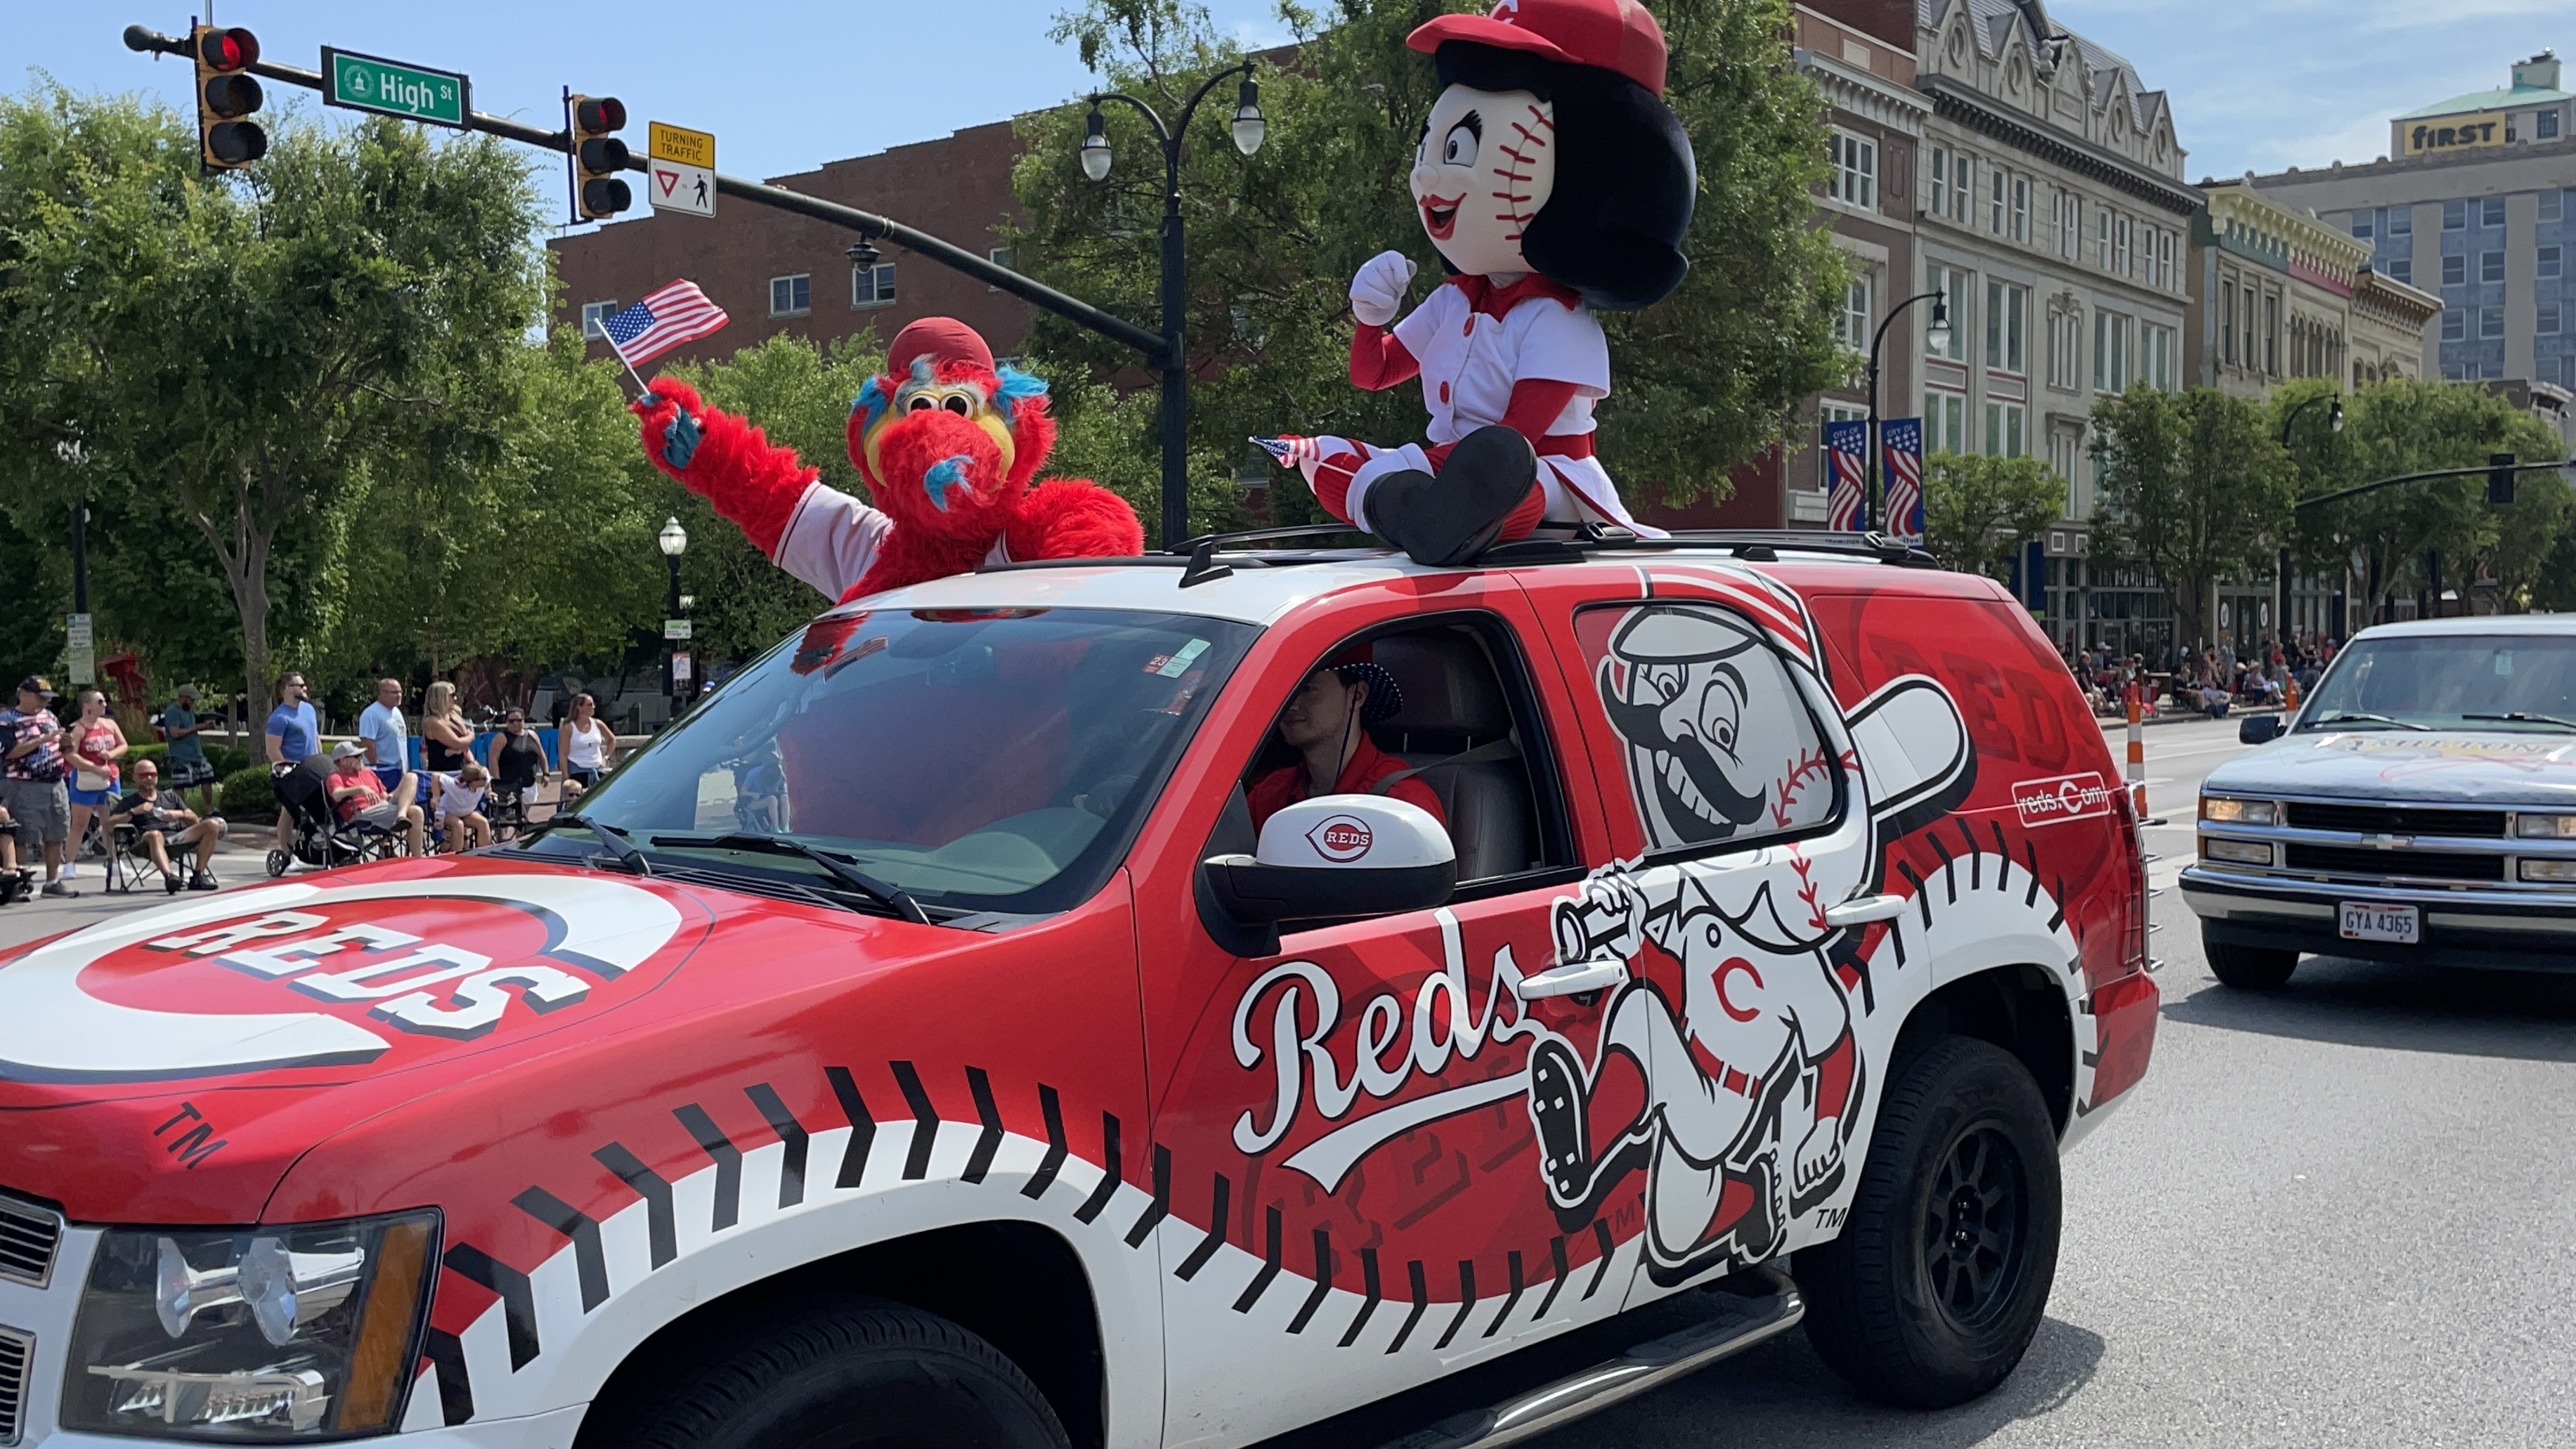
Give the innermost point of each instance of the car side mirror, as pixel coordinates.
(1334, 855)
(2259, 729)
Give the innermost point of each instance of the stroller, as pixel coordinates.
(321, 840)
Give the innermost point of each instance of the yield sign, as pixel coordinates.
(681, 188)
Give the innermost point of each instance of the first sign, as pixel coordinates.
(393, 88)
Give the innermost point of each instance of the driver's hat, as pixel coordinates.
(1358, 664)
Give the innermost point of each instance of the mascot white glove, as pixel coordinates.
(1377, 293)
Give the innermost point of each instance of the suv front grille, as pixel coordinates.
(2348, 860)
(17, 1352)
(28, 1237)
(2397, 820)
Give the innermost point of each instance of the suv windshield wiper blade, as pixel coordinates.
(893, 898)
(2363, 716)
(2526, 717)
(628, 858)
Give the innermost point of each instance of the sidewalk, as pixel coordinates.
(2117, 725)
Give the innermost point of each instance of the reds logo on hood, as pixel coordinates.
(367, 971)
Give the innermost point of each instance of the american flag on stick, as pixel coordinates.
(676, 314)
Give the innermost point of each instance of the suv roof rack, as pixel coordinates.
(1198, 560)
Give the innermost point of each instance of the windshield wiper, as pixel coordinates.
(628, 858)
(893, 898)
(2361, 716)
(2526, 717)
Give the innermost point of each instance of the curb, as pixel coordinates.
(2174, 717)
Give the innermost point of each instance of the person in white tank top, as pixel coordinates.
(584, 744)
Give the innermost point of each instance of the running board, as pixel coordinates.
(1735, 1324)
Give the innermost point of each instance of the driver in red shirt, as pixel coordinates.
(1325, 722)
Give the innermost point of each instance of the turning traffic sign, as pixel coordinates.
(683, 171)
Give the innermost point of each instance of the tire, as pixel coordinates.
(278, 862)
(2249, 968)
(862, 1373)
(1890, 1306)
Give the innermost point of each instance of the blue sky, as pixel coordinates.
(786, 85)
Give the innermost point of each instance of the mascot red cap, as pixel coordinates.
(1554, 183)
(947, 443)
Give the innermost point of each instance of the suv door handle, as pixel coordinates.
(1861, 910)
(1575, 978)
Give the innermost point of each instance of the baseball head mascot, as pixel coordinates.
(1554, 183)
(947, 443)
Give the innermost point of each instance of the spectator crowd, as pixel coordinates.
(2210, 683)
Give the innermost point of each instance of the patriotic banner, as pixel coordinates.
(1845, 445)
(674, 315)
(1903, 440)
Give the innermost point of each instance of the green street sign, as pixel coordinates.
(391, 88)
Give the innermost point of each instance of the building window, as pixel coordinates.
(1936, 195)
(1999, 184)
(2111, 334)
(2227, 325)
(2021, 208)
(2455, 324)
(1853, 326)
(791, 296)
(1827, 415)
(2121, 259)
(1945, 423)
(2403, 269)
(2490, 322)
(2490, 266)
(2401, 221)
(2247, 315)
(2548, 261)
(2007, 323)
(2159, 357)
(2102, 237)
(2455, 215)
(2272, 336)
(2553, 205)
(1854, 181)
(2455, 271)
(2065, 221)
(2548, 324)
(1962, 187)
(1952, 284)
(1004, 258)
(2494, 212)
(2361, 225)
(2003, 430)
(2065, 348)
(872, 286)
(2061, 460)
(594, 314)
(2544, 126)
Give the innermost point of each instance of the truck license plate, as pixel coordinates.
(2363, 921)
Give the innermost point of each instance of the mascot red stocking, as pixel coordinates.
(947, 443)
(1554, 183)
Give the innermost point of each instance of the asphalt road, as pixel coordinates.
(2342, 1214)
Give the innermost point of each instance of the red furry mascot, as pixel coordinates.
(947, 444)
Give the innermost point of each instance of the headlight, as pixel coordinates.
(2234, 810)
(258, 1335)
(2242, 852)
(2545, 827)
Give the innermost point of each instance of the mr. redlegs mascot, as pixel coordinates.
(947, 444)
(1553, 182)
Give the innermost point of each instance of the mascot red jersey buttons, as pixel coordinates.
(1554, 183)
(947, 443)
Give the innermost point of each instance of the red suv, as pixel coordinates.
(992, 1017)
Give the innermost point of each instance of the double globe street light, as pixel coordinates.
(1248, 128)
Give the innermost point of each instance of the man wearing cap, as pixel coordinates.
(1325, 723)
(187, 756)
(31, 779)
(360, 797)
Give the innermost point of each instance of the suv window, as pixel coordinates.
(1720, 747)
(2506, 681)
(1453, 705)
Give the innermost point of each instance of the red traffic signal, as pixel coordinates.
(598, 192)
(592, 115)
(226, 97)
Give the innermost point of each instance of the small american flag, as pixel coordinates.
(678, 313)
(1904, 476)
(1845, 444)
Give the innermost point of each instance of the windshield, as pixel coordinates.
(986, 760)
(2450, 681)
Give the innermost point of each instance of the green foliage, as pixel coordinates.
(1978, 510)
(227, 760)
(2192, 485)
(247, 792)
(1702, 381)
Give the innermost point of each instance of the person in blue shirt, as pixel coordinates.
(293, 736)
(384, 736)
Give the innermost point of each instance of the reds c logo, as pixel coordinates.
(1342, 839)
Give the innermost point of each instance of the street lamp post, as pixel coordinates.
(2281, 561)
(1248, 128)
(674, 541)
(1873, 503)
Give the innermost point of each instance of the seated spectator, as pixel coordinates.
(1325, 724)
(457, 800)
(162, 821)
(2213, 700)
(360, 798)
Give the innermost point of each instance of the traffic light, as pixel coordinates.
(227, 96)
(2500, 479)
(597, 157)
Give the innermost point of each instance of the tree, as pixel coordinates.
(1979, 510)
(2191, 485)
(1704, 380)
(256, 349)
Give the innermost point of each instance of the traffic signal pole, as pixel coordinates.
(867, 224)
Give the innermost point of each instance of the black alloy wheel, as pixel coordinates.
(1977, 1215)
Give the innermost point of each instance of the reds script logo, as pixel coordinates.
(1342, 839)
(53, 1027)
(2061, 797)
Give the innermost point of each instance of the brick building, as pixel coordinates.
(774, 272)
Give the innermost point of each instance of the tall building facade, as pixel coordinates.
(2278, 294)
(2054, 219)
(2475, 202)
